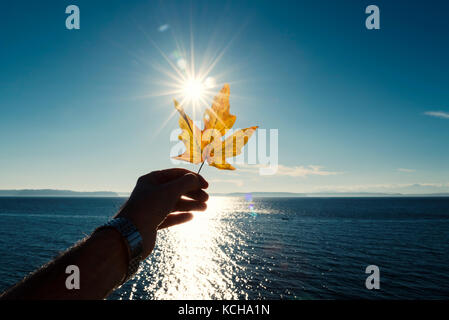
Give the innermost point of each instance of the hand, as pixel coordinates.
(157, 195)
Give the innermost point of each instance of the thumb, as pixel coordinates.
(186, 183)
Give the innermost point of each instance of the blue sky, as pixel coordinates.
(356, 109)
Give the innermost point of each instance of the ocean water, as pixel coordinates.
(269, 248)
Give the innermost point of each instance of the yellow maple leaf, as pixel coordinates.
(208, 144)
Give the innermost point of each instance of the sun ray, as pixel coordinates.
(166, 121)
(188, 72)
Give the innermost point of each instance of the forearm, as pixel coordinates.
(102, 260)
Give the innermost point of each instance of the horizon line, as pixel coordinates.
(73, 193)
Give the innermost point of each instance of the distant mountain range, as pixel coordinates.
(55, 193)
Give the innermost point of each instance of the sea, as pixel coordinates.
(254, 248)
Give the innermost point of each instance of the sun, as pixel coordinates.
(191, 85)
(186, 77)
(194, 90)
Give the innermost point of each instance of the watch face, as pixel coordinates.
(321, 127)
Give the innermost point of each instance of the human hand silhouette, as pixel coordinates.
(158, 194)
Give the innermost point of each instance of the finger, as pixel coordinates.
(164, 176)
(199, 195)
(189, 205)
(185, 184)
(174, 219)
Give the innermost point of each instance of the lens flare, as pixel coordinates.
(185, 75)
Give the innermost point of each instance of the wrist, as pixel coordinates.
(131, 239)
(147, 229)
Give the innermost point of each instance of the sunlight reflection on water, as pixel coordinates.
(189, 261)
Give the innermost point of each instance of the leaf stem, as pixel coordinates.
(201, 166)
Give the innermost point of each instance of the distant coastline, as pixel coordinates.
(70, 193)
(328, 194)
(56, 193)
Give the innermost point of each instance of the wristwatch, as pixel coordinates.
(133, 242)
